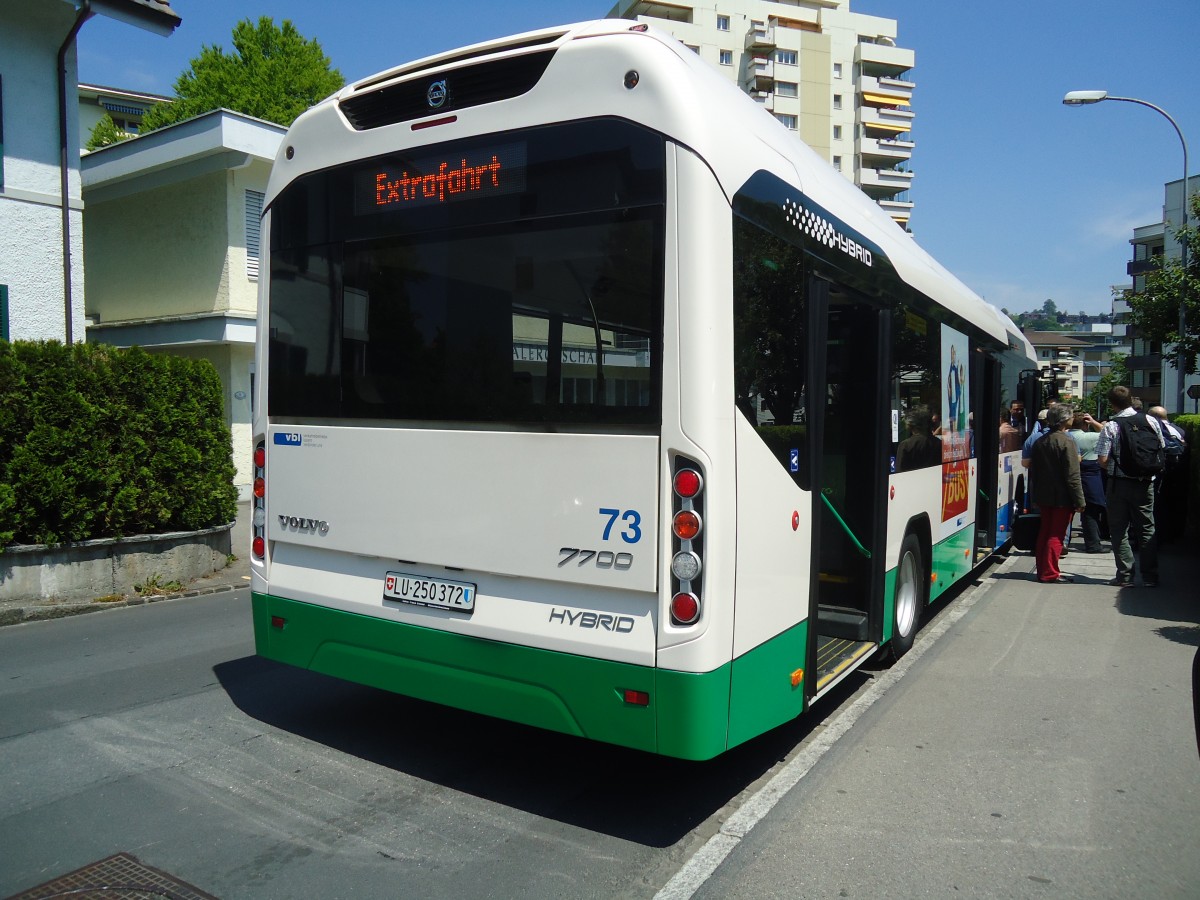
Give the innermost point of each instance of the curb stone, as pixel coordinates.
(19, 614)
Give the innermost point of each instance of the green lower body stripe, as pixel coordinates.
(688, 716)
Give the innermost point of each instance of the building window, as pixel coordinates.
(837, 70)
(695, 50)
(786, 89)
(254, 204)
(722, 23)
(837, 163)
(727, 57)
(837, 132)
(789, 122)
(785, 57)
(3, 312)
(837, 101)
(1139, 378)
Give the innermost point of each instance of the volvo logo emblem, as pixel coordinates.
(436, 95)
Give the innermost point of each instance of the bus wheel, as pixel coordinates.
(909, 598)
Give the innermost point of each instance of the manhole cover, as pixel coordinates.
(122, 875)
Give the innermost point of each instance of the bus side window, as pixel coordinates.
(770, 316)
(916, 365)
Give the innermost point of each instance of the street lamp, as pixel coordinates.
(1083, 98)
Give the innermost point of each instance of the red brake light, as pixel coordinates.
(260, 456)
(685, 608)
(260, 487)
(259, 547)
(688, 483)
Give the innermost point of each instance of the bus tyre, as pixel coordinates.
(909, 599)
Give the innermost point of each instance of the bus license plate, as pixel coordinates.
(436, 592)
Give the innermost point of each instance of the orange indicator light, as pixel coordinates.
(686, 525)
(797, 677)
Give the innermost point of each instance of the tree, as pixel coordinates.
(1154, 310)
(106, 132)
(273, 74)
(1097, 398)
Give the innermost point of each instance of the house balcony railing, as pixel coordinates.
(877, 55)
(897, 179)
(890, 149)
(760, 74)
(765, 99)
(885, 91)
(760, 37)
(892, 121)
(1142, 266)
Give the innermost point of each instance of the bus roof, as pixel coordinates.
(677, 94)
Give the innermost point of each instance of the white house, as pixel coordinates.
(126, 109)
(41, 238)
(172, 249)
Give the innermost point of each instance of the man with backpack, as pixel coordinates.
(1130, 449)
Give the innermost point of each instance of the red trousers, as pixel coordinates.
(1049, 545)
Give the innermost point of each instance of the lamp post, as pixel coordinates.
(1082, 98)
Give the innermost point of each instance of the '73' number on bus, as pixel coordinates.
(631, 529)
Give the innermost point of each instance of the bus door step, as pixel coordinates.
(841, 622)
(837, 658)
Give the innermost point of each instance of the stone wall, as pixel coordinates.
(102, 568)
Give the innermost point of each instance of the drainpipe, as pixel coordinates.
(85, 13)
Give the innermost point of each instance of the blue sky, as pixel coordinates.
(1022, 198)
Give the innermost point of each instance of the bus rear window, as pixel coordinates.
(537, 305)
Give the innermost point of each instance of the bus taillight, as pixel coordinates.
(685, 608)
(258, 546)
(686, 525)
(687, 563)
(688, 483)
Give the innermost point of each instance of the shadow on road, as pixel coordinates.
(627, 794)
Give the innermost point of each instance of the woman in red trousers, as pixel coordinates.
(1057, 491)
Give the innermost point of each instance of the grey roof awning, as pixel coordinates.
(151, 15)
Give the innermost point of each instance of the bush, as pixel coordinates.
(99, 442)
(1191, 429)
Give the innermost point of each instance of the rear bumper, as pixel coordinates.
(688, 714)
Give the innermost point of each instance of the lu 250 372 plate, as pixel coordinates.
(436, 592)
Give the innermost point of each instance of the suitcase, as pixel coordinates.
(1025, 532)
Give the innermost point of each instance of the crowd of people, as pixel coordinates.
(1124, 478)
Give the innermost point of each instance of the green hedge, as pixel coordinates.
(99, 442)
(1191, 429)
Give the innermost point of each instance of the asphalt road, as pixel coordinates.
(156, 731)
(1037, 742)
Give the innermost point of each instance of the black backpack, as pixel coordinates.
(1141, 453)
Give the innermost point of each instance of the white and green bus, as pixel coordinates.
(590, 398)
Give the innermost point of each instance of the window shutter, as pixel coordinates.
(254, 204)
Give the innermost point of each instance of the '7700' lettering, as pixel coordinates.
(603, 559)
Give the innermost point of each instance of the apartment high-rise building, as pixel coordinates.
(834, 77)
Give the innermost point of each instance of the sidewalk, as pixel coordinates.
(1042, 746)
(235, 575)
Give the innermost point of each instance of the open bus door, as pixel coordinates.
(985, 388)
(850, 400)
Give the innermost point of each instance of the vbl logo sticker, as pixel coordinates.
(287, 438)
